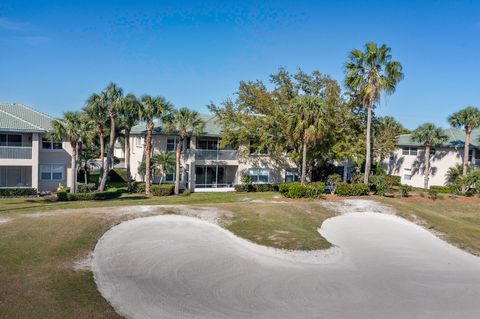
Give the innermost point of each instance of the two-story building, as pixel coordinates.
(28, 158)
(205, 166)
(408, 159)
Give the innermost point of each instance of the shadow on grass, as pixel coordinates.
(133, 197)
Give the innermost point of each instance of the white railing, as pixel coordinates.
(220, 155)
(15, 152)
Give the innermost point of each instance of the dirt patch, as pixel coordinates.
(5, 220)
(346, 206)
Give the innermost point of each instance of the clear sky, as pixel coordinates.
(54, 54)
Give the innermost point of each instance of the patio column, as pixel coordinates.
(35, 155)
(191, 176)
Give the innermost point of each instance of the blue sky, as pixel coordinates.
(54, 54)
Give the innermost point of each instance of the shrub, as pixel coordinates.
(139, 187)
(162, 190)
(393, 180)
(244, 188)
(265, 188)
(405, 190)
(11, 192)
(380, 185)
(432, 194)
(297, 190)
(357, 189)
(442, 189)
(332, 181)
(63, 196)
(86, 188)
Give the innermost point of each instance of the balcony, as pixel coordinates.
(216, 155)
(15, 152)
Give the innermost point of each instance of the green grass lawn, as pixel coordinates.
(37, 251)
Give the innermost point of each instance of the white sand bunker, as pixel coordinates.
(182, 267)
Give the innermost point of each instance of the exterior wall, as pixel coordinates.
(440, 162)
(61, 157)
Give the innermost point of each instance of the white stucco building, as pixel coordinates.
(28, 158)
(207, 167)
(408, 159)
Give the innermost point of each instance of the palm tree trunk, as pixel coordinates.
(426, 171)
(111, 147)
(304, 161)
(345, 170)
(466, 150)
(127, 157)
(178, 153)
(102, 153)
(148, 153)
(368, 145)
(73, 187)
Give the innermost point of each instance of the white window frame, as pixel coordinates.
(52, 142)
(407, 174)
(406, 151)
(291, 172)
(175, 142)
(51, 172)
(7, 142)
(255, 174)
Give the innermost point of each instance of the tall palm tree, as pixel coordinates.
(163, 162)
(113, 98)
(430, 136)
(370, 73)
(469, 119)
(130, 114)
(69, 127)
(151, 108)
(185, 122)
(96, 109)
(306, 123)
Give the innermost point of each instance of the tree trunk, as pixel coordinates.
(148, 153)
(466, 150)
(85, 175)
(345, 170)
(178, 153)
(368, 146)
(426, 171)
(102, 153)
(304, 161)
(127, 157)
(73, 187)
(111, 147)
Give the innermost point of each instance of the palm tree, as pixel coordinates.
(430, 136)
(306, 123)
(369, 74)
(469, 119)
(163, 162)
(130, 115)
(69, 127)
(113, 98)
(185, 122)
(151, 107)
(96, 109)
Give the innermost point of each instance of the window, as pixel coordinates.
(171, 144)
(170, 176)
(48, 144)
(291, 176)
(52, 172)
(207, 143)
(10, 140)
(407, 174)
(259, 175)
(409, 151)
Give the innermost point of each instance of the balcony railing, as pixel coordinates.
(219, 155)
(15, 152)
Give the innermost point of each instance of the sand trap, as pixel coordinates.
(182, 267)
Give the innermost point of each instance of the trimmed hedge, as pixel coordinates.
(12, 192)
(86, 188)
(162, 190)
(297, 190)
(393, 180)
(442, 189)
(248, 188)
(244, 188)
(63, 196)
(139, 187)
(357, 189)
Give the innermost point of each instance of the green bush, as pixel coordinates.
(63, 196)
(393, 180)
(297, 190)
(432, 194)
(162, 190)
(139, 187)
(86, 188)
(442, 189)
(244, 188)
(345, 189)
(405, 190)
(265, 187)
(12, 192)
(380, 184)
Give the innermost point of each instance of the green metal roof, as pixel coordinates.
(21, 118)
(212, 127)
(456, 138)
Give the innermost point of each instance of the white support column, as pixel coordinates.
(191, 177)
(35, 155)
